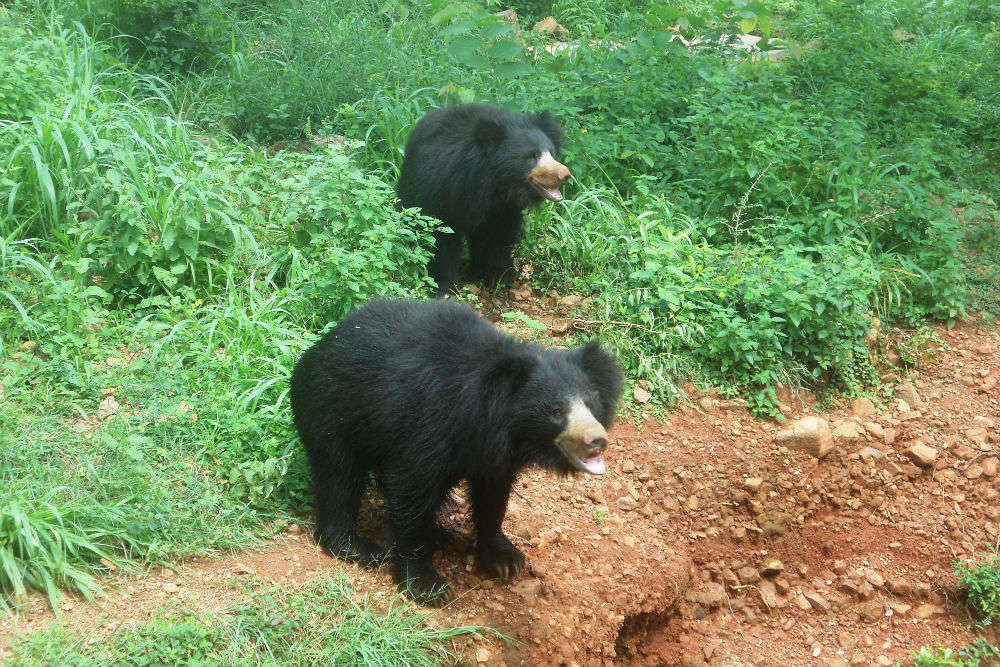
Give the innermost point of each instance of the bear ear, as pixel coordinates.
(489, 133)
(603, 371)
(511, 370)
(547, 123)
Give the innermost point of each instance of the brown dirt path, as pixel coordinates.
(668, 559)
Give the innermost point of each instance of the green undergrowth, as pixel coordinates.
(325, 622)
(978, 654)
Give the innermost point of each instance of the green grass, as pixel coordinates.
(323, 623)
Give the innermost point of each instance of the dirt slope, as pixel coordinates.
(707, 542)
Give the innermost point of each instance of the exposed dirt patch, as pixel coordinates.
(706, 542)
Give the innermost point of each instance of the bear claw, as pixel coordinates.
(502, 560)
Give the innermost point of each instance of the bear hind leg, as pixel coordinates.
(415, 537)
(339, 487)
(443, 267)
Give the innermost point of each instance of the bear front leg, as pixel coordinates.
(491, 249)
(498, 555)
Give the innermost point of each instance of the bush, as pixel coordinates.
(341, 238)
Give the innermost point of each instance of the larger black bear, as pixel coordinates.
(476, 168)
(426, 395)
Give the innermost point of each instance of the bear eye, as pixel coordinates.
(557, 411)
(533, 155)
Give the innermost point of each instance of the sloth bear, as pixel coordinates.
(425, 395)
(475, 168)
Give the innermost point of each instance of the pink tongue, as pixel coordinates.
(552, 194)
(595, 466)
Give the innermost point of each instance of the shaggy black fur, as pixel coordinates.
(427, 394)
(467, 166)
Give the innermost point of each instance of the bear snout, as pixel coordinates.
(583, 440)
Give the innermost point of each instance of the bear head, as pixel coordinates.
(558, 405)
(522, 151)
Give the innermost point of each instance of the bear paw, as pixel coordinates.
(500, 558)
(423, 584)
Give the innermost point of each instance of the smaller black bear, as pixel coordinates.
(476, 168)
(426, 394)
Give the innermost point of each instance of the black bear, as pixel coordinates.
(476, 168)
(426, 394)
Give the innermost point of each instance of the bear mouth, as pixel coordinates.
(552, 194)
(593, 464)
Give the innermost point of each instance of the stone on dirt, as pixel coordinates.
(922, 455)
(808, 434)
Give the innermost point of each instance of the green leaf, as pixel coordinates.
(494, 30)
(446, 14)
(505, 49)
(168, 279)
(512, 69)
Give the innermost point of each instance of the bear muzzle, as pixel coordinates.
(583, 440)
(548, 176)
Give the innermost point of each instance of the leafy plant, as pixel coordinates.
(981, 585)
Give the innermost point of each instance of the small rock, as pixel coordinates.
(873, 577)
(748, 575)
(870, 611)
(900, 608)
(753, 483)
(641, 395)
(509, 16)
(802, 603)
(848, 431)
(529, 589)
(707, 594)
(570, 300)
(482, 655)
(171, 587)
(772, 567)
(108, 407)
(626, 503)
(983, 422)
(808, 434)
(990, 466)
(883, 661)
(847, 640)
(922, 455)
(726, 661)
(977, 436)
(818, 602)
(862, 407)
(293, 529)
(549, 26)
(769, 595)
(908, 393)
(929, 610)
